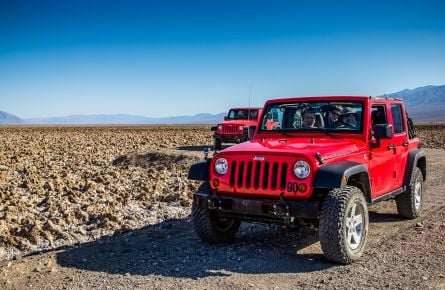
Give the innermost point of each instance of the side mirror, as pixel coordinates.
(383, 131)
(226, 118)
(251, 132)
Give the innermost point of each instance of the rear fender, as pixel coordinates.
(416, 158)
(344, 173)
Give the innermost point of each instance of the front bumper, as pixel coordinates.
(263, 210)
(238, 138)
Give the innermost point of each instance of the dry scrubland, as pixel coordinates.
(65, 185)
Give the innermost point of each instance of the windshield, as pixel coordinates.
(242, 114)
(313, 116)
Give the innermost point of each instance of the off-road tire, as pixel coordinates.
(407, 205)
(208, 226)
(217, 143)
(334, 225)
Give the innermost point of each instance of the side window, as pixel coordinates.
(378, 115)
(396, 111)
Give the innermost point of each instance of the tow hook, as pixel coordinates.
(214, 204)
(281, 208)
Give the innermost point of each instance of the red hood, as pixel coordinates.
(327, 147)
(238, 122)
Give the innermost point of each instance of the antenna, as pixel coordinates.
(248, 111)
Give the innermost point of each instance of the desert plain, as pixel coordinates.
(108, 207)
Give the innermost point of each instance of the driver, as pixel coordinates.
(348, 117)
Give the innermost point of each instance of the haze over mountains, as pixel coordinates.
(424, 104)
(128, 119)
(6, 118)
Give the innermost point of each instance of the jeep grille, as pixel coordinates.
(258, 174)
(230, 129)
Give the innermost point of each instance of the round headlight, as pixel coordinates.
(221, 166)
(241, 128)
(301, 169)
(220, 127)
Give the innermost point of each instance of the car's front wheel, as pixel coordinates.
(208, 225)
(343, 226)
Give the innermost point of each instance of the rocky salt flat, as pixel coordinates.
(65, 185)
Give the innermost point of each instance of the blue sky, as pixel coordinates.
(167, 58)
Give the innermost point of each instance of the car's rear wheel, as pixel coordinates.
(343, 226)
(208, 225)
(409, 203)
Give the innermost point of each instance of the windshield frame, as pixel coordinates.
(306, 103)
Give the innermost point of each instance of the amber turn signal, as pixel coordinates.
(215, 182)
(302, 187)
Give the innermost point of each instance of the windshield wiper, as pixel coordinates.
(330, 134)
(282, 131)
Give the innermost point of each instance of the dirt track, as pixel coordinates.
(157, 248)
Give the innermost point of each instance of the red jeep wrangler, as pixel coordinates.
(326, 159)
(235, 127)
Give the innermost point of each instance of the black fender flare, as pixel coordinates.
(199, 171)
(416, 158)
(338, 174)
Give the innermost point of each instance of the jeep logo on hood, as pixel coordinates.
(258, 158)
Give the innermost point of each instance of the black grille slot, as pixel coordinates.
(283, 176)
(240, 173)
(232, 173)
(256, 178)
(249, 174)
(230, 129)
(266, 174)
(274, 175)
(258, 174)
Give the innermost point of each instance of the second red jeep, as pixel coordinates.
(235, 127)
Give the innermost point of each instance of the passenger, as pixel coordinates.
(308, 118)
(333, 115)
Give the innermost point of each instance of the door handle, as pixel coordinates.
(391, 147)
(405, 143)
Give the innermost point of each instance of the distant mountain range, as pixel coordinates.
(8, 119)
(128, 119)
(423, 104)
